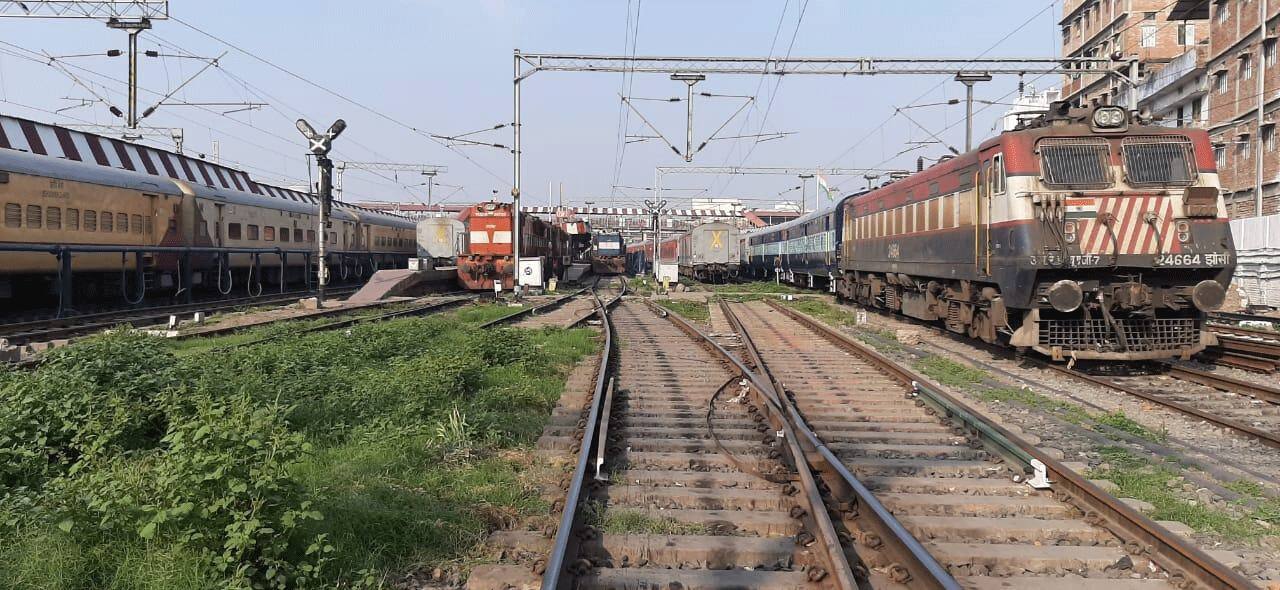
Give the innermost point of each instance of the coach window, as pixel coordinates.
(106, 220)
(311, 236)
(136, 220)
(284, 234)
(269, 234)
(253, 233)
(53, 218)
(997, 177)
(12, 215)
(73, 219)
(233, 231)
(297, 235)
(122, 223)
(34, 215)
(90, 220)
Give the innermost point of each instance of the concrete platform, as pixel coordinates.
(405, 283)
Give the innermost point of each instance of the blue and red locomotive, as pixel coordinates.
(1084, 235)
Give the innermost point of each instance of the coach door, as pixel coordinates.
(982, 220)
(217, 225)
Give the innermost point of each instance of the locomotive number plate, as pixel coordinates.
(1210, 259)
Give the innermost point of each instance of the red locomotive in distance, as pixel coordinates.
(489, 257)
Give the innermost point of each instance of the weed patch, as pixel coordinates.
(949, 372)
(1067, 411)
(697, 311)
(319, 460)
(1150, 482)
(759, 287)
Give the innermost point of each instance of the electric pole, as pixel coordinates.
(320, 146)
(969, 80)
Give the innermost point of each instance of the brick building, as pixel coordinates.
(1243, 81)
(1150, 30)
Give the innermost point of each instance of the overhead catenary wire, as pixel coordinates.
(419, 131)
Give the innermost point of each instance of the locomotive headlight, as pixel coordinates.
(1109, 118)
(1183, 228)
(1069, 230)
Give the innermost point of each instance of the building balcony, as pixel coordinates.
(1183, 75)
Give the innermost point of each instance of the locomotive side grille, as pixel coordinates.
(1161, 334)
(1075, 162)
(1159, 161)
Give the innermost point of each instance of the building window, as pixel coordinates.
(1269, 138)
(1246, 67)
(1148, 16)
(1244, 146)
(1269, 52)
(233, 231)
(311, 236)
(1220, 82)
(1149, 35)
(1223, 11)
(1066, 34)
(1186, 34)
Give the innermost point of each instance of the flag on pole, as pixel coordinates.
(824, 188)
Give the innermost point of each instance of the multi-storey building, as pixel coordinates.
(1151, 31)
(1244, 78)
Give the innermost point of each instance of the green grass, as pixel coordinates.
(326, 460)
(696, 311)
(1148, 481)
(1123, 423)
(622, 521)
(1068, 411)
(818, 309)
(642, 286)
(949, 372)
(760, 287)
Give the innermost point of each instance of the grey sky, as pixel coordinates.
(445, 67)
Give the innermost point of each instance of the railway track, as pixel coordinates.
(656, 500)
(1245, 348)
(46, 330)
(951, 477)
(1244, 408)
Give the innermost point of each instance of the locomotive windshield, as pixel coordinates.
(609, 245)
(1159, 161)
(1076, 162)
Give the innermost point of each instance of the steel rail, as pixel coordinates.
(430, 308)
(1222, 382)
(1243, 317)
(916, 563)
(23, 332)
(1262, 435)
(531, 311)
(816, 517)
(556, 576)
(1186, 563)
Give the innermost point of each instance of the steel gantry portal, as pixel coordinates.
(528, 64)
